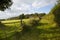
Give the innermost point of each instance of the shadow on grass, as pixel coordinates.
(32, 33)
(29, 33)
(3, 28)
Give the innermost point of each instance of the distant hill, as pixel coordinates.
(2, 19)
(27, 16)
(13, 18)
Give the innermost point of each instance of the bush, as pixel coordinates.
(34, 22)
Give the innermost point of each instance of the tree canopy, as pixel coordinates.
(58, 1)
(5, 4)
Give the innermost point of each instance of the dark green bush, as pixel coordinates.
(34, 22)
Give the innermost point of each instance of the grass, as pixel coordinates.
(43, 31)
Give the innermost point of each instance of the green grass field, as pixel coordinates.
(42, 31)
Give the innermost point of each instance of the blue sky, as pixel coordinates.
(27, 7)
(46, 9)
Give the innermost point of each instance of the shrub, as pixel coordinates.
(34, 22)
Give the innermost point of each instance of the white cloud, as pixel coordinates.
(42, 3)
(25, 6)
(28, 5)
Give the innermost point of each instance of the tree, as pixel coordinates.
(58, 1)
(56, 12)
(5, 4)
(40, 15)
(21, 17)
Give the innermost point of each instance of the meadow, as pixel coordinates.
(42, 31)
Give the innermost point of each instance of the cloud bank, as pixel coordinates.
(25, 6)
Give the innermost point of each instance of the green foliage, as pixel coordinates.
(58, 2)
(34, 22)
(56, 12)
(53, 16)
(5, 4)
(22, 16)
(39, 15)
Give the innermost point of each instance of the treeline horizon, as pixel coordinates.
(25, 16)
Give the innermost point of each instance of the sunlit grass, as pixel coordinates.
(13, 26)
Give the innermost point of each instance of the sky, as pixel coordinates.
(27, 7)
